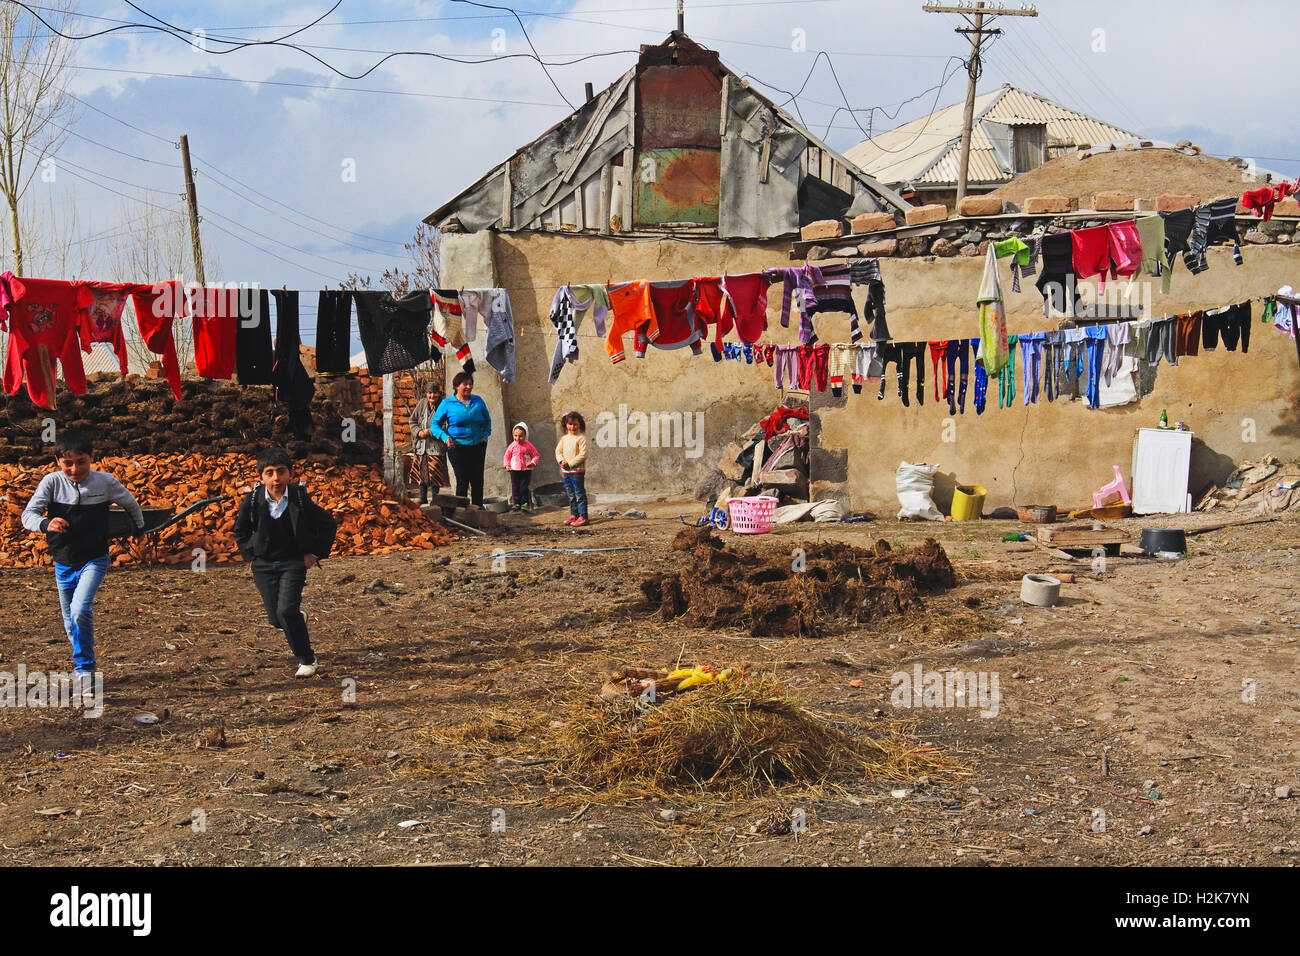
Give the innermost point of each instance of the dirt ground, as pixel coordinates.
(1163, 694)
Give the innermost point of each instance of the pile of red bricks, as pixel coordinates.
(404, 398)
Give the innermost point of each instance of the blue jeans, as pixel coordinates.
(77, 587)
(575, 486)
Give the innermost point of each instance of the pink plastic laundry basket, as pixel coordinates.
(751, 515)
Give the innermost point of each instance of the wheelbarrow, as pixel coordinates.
(156, 518)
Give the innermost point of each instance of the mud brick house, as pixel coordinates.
(679, 169)
(1014, 131)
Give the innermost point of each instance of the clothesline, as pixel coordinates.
(1109, 353)
(51, 318)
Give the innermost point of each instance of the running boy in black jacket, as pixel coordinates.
(281, 532)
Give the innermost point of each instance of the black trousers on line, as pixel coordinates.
(520, 482)
(281, 588)
(467, 465)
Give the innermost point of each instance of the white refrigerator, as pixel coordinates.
(1162, 460)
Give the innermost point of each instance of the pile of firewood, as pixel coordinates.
(757, 465)
(370, 520)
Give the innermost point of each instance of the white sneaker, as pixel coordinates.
(305, 670)
(84, 689)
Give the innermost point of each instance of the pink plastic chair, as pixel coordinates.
(1115, 487)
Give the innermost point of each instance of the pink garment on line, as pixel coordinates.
(1125, 248)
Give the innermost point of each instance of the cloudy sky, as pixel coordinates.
(304, 176)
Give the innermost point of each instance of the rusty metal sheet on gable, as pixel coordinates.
(678, 107)
(676, 185)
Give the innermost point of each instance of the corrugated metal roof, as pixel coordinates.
(532, 188)
(927, 151)
(102, 358)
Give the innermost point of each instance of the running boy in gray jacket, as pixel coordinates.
(70, 507)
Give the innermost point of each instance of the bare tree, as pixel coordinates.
(56, 243)
(35, 107)
(153, 245)
(425, 265)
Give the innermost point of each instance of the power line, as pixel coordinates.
(1030, 49)
(527, 39)
(1097, 78)
(114, 179)
(213, 168)
(473, 16)
(977, 31)
(319, 86)
(335, 239)
(296, 265)
(189, 37)
(210, 213)
(795, 96)
(315, 255)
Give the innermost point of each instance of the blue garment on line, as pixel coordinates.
(1095, 341)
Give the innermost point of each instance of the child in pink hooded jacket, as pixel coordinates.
(520, 459)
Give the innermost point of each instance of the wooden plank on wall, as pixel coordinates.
(589, 138)
(722, 113)
(629, 155)
(606, 186)
(507, 197)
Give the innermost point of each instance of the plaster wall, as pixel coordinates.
(1050, 453)
(1059, 453)
(716, 401)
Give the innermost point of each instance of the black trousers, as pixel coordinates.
(520, 482)
(1233, 323)
(333, 332)
(467, 465)
(281, 588)
(254, 355)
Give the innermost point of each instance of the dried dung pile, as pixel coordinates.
(761, 591)
(370, 522)
(740, 736)
(140, 416)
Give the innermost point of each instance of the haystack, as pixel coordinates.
(742, 736)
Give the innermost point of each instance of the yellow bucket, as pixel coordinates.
(968, 502)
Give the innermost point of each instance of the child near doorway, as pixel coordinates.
(571, 453)
(520, 458)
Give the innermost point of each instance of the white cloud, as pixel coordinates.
(413, 152)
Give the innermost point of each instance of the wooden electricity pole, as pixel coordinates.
(975, 16)
(191, 200)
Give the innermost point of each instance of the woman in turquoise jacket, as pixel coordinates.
(463, 423)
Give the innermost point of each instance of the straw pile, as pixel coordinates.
(742, 736)
(370, 522)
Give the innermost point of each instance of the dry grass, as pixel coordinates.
(741, 737)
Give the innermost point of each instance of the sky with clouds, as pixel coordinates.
(304, 176)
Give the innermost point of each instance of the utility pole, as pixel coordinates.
(681, 16)
(191, 200)
(974, 15)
